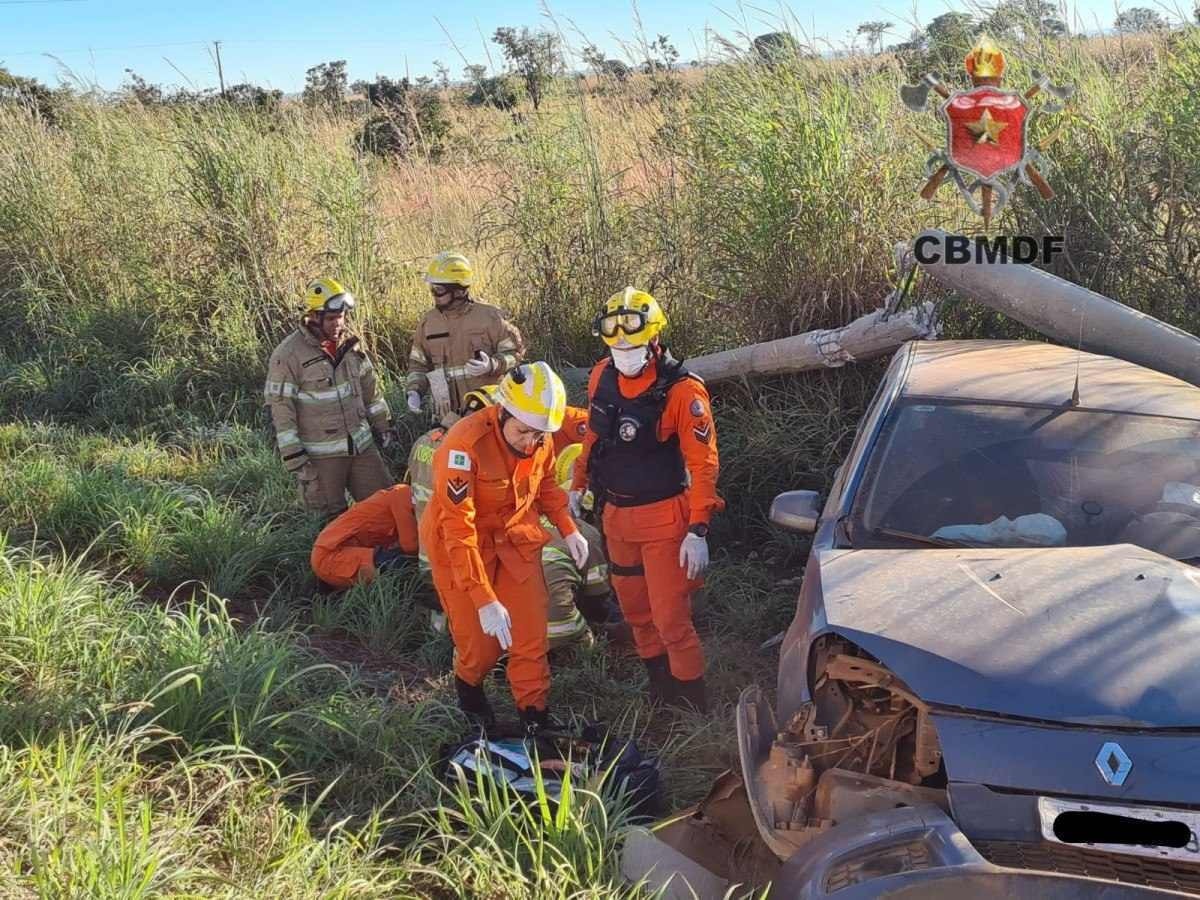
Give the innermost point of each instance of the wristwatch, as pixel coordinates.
(699, 529)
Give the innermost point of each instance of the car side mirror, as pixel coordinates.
(796, 511)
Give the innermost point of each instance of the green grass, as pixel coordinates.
(181, 713)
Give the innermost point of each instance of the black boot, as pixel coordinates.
(658, 675)
(535, 721)
(387, 560)
(473, 701)
(690, 693)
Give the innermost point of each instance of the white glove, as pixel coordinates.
(495, 621)
(693, 555)
(414, 401)
(577, 546)
(480, 365)
(575, 503)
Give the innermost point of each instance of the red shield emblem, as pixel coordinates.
(986, 130)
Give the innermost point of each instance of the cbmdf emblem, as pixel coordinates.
(986, 151)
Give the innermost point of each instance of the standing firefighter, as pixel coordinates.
(493, 474)
(326, 405)
(650, 433)
(461, 344)
(577, 597)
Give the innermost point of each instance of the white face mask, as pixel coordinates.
(629, 361)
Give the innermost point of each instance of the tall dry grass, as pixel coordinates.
(150, 258)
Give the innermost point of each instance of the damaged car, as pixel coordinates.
(991, 686)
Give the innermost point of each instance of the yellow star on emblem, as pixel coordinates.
(986, 130)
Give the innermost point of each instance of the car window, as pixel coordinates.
(1012, 476)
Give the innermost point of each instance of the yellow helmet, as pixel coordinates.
(564, 466)
(327, 294)
(450, 268)
(632, 313)
(534, 394)
(480, 398)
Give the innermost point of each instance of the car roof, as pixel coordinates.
(1043, 374)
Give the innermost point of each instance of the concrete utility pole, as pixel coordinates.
(220, 72)
(1069, 313)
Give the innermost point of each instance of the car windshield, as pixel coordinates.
(1012, 476)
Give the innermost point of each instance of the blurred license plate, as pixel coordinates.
(1049, 809)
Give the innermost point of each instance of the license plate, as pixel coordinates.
(1049, 809)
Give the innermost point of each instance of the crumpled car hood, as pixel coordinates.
(1092, 635)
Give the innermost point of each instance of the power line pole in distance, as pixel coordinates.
(220, 72)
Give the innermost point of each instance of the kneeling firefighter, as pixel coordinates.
(372, 536)
(493, 476)
(650, 433)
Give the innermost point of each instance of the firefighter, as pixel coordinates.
(578, 594)
(372, 536)
(577, 598)
(493, 475)
(650, 459)
(461, 344)
(326, 405)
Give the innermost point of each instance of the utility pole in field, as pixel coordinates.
(220, 72)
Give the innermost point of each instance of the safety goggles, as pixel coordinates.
(441, 290)
(339, 303)
(630, 321)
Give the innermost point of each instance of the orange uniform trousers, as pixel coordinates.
(522, 590)
(653, 590)
(344, 553)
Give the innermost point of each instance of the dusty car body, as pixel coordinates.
(991, 686)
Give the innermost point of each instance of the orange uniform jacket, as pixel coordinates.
(345, 549)
(687, 414)
(574, 428)
(486, 502)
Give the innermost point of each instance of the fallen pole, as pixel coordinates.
(1069, 313)
(874, 334)
(868, 336)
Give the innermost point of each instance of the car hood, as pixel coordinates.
(1090, 635)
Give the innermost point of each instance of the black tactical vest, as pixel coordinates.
(628, 465)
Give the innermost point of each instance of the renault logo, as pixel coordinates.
(1114, 764)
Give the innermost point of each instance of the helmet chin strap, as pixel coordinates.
(505, 415)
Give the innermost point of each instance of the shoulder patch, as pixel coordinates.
(457, 490)
(581, 429)
(697, 407)
(459, 460)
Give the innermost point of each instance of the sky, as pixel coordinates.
(273, 42)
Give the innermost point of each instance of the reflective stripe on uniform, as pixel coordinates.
(280, 389)
(288, 440)
(341, 392)
(365, 365)
(597, 574)
(379, 406)
(335, 447)
(362, 437)
(416, 355)
(573, 625)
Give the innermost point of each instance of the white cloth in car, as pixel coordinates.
(1181, 493)
(1035, 530)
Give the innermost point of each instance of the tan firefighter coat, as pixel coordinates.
(322, 407)
(446, 340)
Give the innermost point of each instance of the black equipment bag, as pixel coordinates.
(596, 761)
